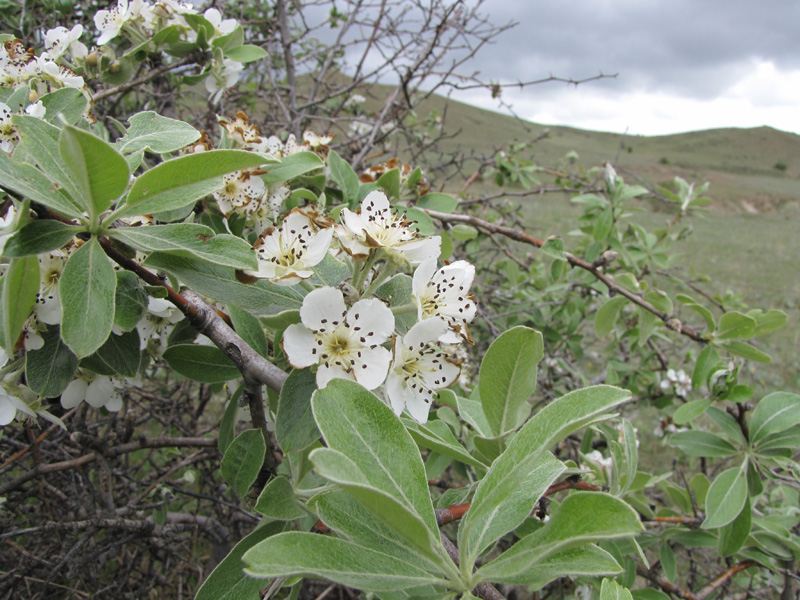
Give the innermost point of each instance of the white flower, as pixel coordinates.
(597, 459)
(36, 109)
(681, 382)
(9, 136)
(288, 254)
(9, 405)
(240, 190)
(61, 76)
(376, 226)
(346, 344)
(222, 77)
(60, 40)
(48, 302)
(214, 17)
(7, 224)
(445, 293)
(313, 140)
(109, 22)
(418, 369)
(97, 390)
(354, 100)
(156, 325)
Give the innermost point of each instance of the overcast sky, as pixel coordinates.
(681, 65)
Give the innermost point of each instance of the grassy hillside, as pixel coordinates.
(750, 241)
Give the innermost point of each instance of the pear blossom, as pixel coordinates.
(346, 344)
(98, 390)
(240, 190)
(48, 302)
(156, 325)
(419, 368)
(288, 254)
(59, 75)
(9, 136)
(223, 76)
(110, 22)
(445, 293)
(681, 382)
(222, 27)
(10, 404)
(7, 225)
(376, 226)
(37, 109)
(60, 40)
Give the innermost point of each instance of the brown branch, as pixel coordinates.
(128, 85)
(519, 236)
(664, 584)
(159, 442)
(723, 578)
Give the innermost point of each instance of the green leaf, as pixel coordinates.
(295, 427)
(508, 378)
(228, 580)
(250, 330)
(38, 237)
(582, 517)
(463, 233)
(611, 590)
(768, 321)
(292, 166)
(726, 497)
(245, 53)
(130, 302)
(437, 201)
(375, 459)
(67, 103)
(701, 443)
(606, 316)
(298, 553)
(438, 436)
(667, 557)
(277, 501)
(586, 560)
(787, 439)
(774, 412)
(707, 360)
(227, 428)
(420, 221)
(733, 535)
(49, 370)
(219, 283)
(735, 325)
(193, 239)
(99, 170)
(557, 420)
(184, 180)
(691, 410)
(330, 271)
(344, 176)
(554, 248)
(471, 411)
(87, 289)
(243, 460)
(157, 134)
(343, 514)
(20, 287)
(206, 364)
(747, 351)
(41, 141)
(706, 314)
(727, 424)
(121, 353)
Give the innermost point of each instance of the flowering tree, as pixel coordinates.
(303, 327)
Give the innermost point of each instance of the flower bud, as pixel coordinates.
(92, 58)
(33, 96)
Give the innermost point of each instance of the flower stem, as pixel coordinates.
(404, 309)
(389, 269)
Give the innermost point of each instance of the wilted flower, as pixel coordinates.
(445, 293)
(240, 190)
(376, 226)
(288, 254)
(346, 344)
(418, 369)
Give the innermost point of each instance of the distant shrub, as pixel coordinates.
(780, 166)
(664, 160)
(630, 149)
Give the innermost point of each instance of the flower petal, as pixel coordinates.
(370, 370)
(74, 393)
(375, 319)
(322, 307)
(325, 373)
(300, 346)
